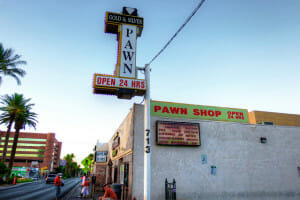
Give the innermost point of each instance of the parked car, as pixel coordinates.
(50, 178)
(35, 178)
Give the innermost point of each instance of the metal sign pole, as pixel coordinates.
(147, 152)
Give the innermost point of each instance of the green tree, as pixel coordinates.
(9, 63)
(75, 169)
(87, 162)
(69, 160)
(60, 169)
(3, 171)
(22, 119)
(11, 107)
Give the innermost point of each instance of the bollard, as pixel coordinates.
(15, 180)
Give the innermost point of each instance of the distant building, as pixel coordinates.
(41, 149)
(272, 118)
(100, 164)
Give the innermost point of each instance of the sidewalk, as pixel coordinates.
(74, 194)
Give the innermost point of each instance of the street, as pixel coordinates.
(36, 190)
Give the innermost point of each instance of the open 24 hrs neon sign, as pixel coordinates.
(128, 28)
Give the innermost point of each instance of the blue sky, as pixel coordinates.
(241, 54)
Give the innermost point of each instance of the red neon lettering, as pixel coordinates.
(143, 85)
(125, 83)
(196, 112)
(203, 112)
(157, 108)
(183, 111)
(99, 80)
(174, 110)
(113, 81)
(103, 81)
(108, 81)
(242, 115)
(165, 110)
(133, 83)
(218, 113)
(138, 84)
(211, 113)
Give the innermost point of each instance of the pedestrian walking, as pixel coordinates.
(85, 187)
(93, 179)
(58, 184)
(82, 181)
(93, 184)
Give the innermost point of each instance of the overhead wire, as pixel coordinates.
(181, 27)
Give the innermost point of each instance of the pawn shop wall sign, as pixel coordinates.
(123, 83)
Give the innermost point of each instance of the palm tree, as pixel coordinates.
(12, 106)
(26, 117)
(74, 169)
(8, 64)
(69, 161)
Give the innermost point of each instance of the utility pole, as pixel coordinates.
(147, 144)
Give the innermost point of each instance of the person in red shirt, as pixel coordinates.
(85, 187)
(57, 183)
(109, 193)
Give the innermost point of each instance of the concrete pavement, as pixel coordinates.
(74, 194)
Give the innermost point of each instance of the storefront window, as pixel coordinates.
(115, 175)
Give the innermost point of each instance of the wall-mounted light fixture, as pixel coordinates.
(263, 140)
(213, 170)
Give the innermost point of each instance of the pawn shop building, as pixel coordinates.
(211, 153)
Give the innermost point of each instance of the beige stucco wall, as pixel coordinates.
(246, 168)
(124, 155)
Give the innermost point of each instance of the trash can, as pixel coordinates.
(118, 189)
(170, 190)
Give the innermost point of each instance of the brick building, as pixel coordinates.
(43, 148)
(272, 118)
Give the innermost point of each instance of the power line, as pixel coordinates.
(186, 21)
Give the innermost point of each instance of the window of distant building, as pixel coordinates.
(26, 144)
(27, 139)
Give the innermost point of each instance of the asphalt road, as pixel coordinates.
(38, 190)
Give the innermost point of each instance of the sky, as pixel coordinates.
(239, 54)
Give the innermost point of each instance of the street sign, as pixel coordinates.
(62, 162)
(34, 163)
(101, 156)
